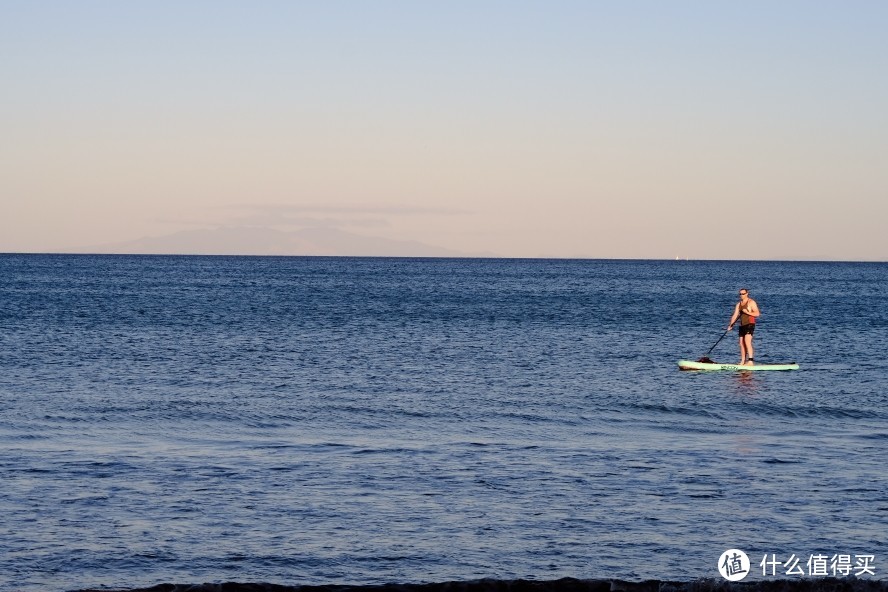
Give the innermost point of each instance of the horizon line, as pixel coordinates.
(445, 257)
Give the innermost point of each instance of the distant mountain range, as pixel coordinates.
(268, 241)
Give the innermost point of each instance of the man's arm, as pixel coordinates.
(734, 316)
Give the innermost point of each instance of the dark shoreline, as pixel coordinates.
(562, 585)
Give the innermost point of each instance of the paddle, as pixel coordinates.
(705, 359)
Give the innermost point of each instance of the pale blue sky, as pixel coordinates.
(572, 129)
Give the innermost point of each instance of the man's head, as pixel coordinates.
(744, 293)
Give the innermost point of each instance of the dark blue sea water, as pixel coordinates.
(339, 420)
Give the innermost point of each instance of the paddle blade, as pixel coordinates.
(706, 360)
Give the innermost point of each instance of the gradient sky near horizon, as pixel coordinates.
(707, 130)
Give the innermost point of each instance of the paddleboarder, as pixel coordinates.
(747, 311)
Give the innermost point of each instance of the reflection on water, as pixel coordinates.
(747, 383)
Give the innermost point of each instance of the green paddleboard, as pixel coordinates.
(689, 365)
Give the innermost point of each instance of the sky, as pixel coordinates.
(700, 130)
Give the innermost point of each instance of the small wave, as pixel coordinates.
(818, 411)
(876, 436)
(676, 410)
(385, 451)
(85, 500)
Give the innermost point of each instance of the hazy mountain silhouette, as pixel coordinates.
(268, 241)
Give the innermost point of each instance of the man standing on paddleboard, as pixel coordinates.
(747, 311)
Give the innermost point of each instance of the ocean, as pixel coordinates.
(372, 420)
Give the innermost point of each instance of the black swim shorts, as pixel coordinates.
(747, 329)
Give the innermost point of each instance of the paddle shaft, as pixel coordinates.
(719, 340)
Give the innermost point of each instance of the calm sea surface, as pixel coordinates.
(339, 420)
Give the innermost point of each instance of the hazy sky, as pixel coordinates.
(744, 130)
